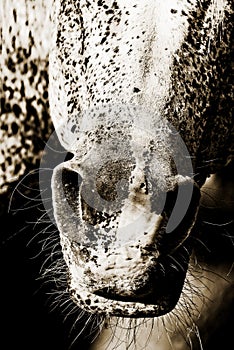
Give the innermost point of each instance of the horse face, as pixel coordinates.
(131, 94)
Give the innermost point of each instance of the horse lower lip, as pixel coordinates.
(97, 298)
(163, 288)
(168, 294)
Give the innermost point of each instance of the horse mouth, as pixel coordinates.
(153, 293)
(143, 277)
(154, 283)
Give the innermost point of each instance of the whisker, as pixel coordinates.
(217, 224)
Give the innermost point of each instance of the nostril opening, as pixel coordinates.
(72, 186)
(172, 239)
(71, 182)
(171, 197)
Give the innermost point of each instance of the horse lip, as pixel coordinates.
(108, 307)
(156, 291)
(101, 305)
(157, 297)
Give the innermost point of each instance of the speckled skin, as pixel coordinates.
(172, 59)
(25, 120)
(108, 52)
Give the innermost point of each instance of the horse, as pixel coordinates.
(140, 95)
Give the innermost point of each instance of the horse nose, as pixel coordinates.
(124, 206)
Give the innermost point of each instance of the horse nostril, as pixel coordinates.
(175, 233)
(71, 182)
(81, 205)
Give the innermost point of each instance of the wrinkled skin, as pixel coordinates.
(140, 94)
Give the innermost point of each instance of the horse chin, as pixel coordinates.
(153, 292)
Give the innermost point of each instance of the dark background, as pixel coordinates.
(27, 319)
